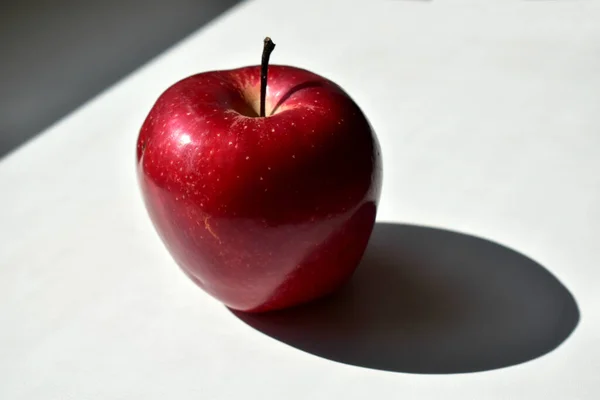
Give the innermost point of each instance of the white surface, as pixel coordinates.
(488, 120)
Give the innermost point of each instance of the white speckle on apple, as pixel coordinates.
(293, 156)
(261, 178)
(180, 169)
(247, 157)
(188, 113)
(161, 174)
(272, 130)
(230, 143)
(269, 168)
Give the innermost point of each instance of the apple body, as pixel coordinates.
(268, 212)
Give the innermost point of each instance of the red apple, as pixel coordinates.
(261, 212)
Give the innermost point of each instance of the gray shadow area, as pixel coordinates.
(57, 54)
(432, 301)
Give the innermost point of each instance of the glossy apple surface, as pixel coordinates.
(267, 212)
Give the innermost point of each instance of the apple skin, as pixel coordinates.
(261, 213)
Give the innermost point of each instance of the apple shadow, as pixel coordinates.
(432, 301)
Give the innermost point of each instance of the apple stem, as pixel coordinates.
(267, 49)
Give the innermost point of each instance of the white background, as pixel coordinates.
(487, 114)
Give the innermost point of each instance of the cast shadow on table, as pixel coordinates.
(432, 301)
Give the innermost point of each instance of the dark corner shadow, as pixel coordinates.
(432, 301)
